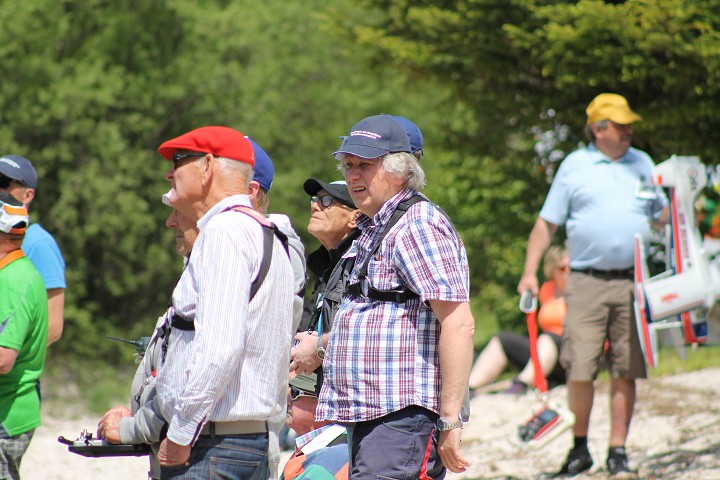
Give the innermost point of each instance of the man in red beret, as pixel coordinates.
(225, 371)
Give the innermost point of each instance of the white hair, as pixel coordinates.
(235, 167)
(403, 165)
(406, 166)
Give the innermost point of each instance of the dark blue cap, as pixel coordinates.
(413, 132)
(264, 169)
(19, 168)
(374, 137)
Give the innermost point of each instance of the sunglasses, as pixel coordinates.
(179, 157)
(325, 200)
(6, 181)
(296, 393)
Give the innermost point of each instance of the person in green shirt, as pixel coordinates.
(23, 338)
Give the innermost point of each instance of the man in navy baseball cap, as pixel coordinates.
(18, 169)
(414, 134)
(19, 178)
(375, 136)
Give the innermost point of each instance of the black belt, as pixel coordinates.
(627, 274)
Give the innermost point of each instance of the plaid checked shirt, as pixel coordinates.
(383, 356)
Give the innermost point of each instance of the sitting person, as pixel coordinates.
(515, 348)
(321, 447)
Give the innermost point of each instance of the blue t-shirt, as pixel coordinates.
(42, 250)
(597, 200)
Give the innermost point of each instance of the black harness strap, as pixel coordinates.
(362, 287)
(270, 231)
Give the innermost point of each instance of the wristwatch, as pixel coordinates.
(444, 424)
(320, 349)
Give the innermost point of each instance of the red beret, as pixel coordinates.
(219, 141)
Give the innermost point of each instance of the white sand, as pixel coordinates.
(675, 434)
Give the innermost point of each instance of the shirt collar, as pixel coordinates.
(234, 200)
(386, 210)
(599, 157)
(303, 440)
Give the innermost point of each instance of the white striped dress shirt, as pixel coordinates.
(234, 365)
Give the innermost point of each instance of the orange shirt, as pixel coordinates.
(552, 310)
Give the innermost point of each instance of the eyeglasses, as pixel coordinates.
(325, 200)
(179, 157)
(5, 182)
(296, 393)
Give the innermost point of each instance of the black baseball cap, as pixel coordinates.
(338, 190)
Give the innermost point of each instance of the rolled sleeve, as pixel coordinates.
(431, 259)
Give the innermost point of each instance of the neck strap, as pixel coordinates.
(11, 257)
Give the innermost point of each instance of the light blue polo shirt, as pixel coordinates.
(42, 250)
(596, 199)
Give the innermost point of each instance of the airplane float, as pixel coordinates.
(682, 295)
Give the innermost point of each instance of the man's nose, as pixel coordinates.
(351, 171)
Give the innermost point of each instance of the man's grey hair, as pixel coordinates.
(234, 167)
(406, 166)
(400, 164)
(601, 125)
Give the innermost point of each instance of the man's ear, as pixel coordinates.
(353, 219)
(253, 188)
(28, 196)
(206, 166)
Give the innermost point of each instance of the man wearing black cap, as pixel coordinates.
(19, 178)
(23, 338)
(392, 374)
(332, 222)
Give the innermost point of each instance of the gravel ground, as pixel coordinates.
(675, 435)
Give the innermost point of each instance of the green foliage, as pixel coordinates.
(90, 89)
(513, 70)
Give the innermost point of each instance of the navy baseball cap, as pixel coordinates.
(413, 132)
(20, 169)
(264, 168)
(338, 190)
(374, 137)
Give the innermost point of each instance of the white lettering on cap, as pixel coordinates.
(10, 162)
(364, 133)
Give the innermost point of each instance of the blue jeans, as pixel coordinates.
(399, 446)
(240, 457)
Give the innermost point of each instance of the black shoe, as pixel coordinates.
(618, 467)
(577, 462)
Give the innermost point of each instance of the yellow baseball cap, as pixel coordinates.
(613, 107)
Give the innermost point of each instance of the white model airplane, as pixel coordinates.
(681, 295)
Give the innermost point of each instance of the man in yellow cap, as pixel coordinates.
(594, 196)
